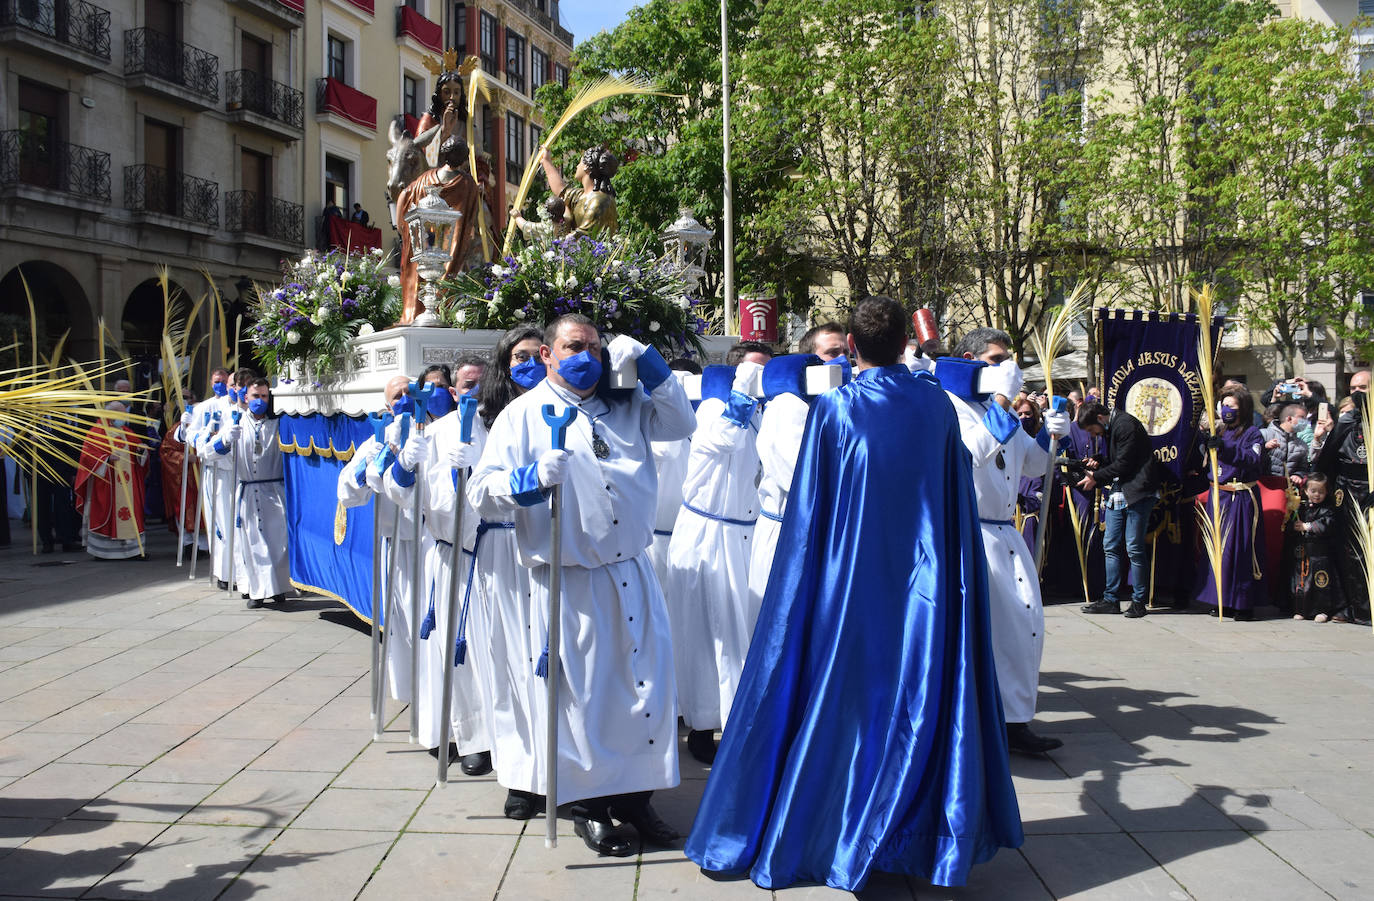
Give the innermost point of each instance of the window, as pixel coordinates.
(515, 60)
(338, 59)
(1070, 107)
(486, 35)
(338, 175)
(542, 6)
(1367, 7)
(255, 175)
(536, 136)
(161, 153)
(488, 136)
(458, 37)
(560, 74)
(539, 69)
(410, 96)
(163, 16)
(515, 148)
(40, 120)
(255, 55)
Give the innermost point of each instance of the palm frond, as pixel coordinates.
(1049, 344)
(591, 94)
(1212, 537)
(478, 87)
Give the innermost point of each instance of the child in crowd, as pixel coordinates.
(1315, 585)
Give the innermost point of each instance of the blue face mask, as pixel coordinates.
(1229, 414)
(581, 371)
(220, 389)
(529, 373)
(441, 403)
(404, 404)
(258, 406)
(118, 423)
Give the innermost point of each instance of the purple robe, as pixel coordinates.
(1061, 575)
(1240, 459)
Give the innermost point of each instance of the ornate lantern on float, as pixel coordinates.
(431, 225)
(685, 243)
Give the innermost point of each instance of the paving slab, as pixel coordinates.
(308, 863)
(324, 750)
(150, 802)
(429, 865)
(537, 873)
(204, 760)
(259, 798)
(135, 744)
(58, 789)
(1340, 862)
(186, 863)
(1213, 867)
(361, 808)
(69, 858)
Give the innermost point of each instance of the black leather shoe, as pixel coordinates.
(253, 603)
(1135, 611)
(1021, 739)
(452, 752)
(478, 764)
(702, 745)
(1102, 607)
(222, 585)
(648, 824)
(523, 805)
(601, 837)
(278, 598)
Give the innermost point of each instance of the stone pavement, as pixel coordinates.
(158, 740)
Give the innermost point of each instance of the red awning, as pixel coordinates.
(429, 34)
(364, 5)
(349, 102)
(297, 5)
(348, 235)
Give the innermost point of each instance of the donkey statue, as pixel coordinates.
(406, 159)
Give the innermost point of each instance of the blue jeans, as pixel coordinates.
(1124, 537)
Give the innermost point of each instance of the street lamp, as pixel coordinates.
(431, 225)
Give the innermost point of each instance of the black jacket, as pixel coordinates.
(1130, 459)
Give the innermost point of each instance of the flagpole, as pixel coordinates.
(728, 290)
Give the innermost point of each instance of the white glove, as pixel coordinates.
(186, 418)
(917, 363)
(1056, 423)
(553, 467)
(373, 448)
(749, 378)
(461, 456)
(414, 453)
(232, 433)
(392, 435)
(622, 348)
(1005, 379)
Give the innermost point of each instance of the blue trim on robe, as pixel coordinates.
(524, 485)
(1001, 423)
(653, 369)
(220, 446)
(404, 477)
(739, 408)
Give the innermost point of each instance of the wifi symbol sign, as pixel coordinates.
(761, 314)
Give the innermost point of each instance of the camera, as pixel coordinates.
(1289, 390)
(1073, 467)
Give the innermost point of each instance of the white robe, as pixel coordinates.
(779, 443)
(217, 480)
(707, 585)
(262, 567)
(617, 723)
(1018, 620)
(670, 461)
(398, 563)
(467, 719)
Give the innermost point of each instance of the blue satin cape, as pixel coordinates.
(867, 730)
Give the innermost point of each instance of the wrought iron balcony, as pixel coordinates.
(245, 89)
(30, 159)
(71, 23)
(152, 53)
(152, 189)
(252, 213)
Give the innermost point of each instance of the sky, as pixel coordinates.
(585, 18)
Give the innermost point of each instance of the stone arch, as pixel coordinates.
(59, 302)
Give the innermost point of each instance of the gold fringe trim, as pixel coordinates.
(329, 451)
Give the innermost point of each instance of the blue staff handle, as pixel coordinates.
(559, 423)
(421, 395)
(453, 655)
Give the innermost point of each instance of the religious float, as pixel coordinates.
(345, 322)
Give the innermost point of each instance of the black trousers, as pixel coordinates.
(1351, 563)
(55, 516)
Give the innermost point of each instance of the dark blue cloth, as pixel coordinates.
(867, 732)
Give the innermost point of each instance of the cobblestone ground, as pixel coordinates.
(158, 740)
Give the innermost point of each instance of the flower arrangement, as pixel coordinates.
(324, 300)
(622, 291)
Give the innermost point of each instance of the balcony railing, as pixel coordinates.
(75, 23)
(31, 159)
(333, 96)
(255, 92)
(152, 189)
(272, 217)
(149, 52)
(410, 23)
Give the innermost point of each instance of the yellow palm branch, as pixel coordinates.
(1212, 535)
(478, 87)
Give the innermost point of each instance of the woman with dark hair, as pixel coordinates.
(500, 611)
(1240, 462)
(591, 200)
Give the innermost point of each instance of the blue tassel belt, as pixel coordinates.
(238, 497)
(776, 517)
(997, 522)
(461, 642)
(725, 519)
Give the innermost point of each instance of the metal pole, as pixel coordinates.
(212, 524)
(232, 514)
(728, 290)
(200, 509)
(559, 422)
(389, 609)
(467, 406)
(1046, 494)
(376, 634)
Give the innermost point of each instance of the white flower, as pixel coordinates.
(519, 313)
(293, 337)
(572, 282)
(393, 281)
(323, 278)
(616, 264)
(654, 326)
(633, 274)
(499, 270)
(598, 281)
(317, 317)
(538, 296)
(684, 303)
(460, 317)
(376, 251)
(549, 255)
(366, 329)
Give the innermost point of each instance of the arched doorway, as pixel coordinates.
(142, 324)
(60, 306)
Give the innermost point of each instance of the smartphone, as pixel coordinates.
(1323, 410)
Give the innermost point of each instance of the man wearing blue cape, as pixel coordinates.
(868, 731)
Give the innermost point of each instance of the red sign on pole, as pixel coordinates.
(758, 319)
